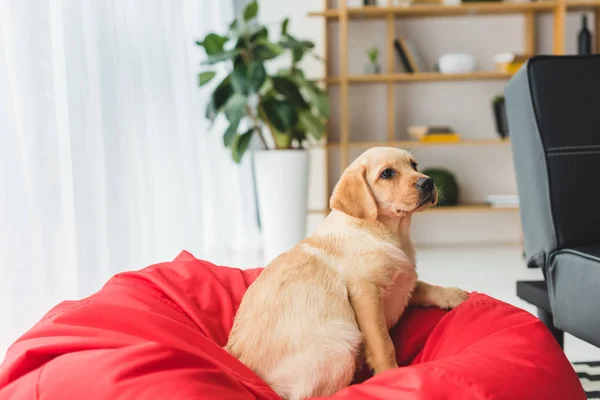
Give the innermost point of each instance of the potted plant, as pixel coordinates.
(373, 66)
(282, 108)
(501, 120)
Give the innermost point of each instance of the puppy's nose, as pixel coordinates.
(425, 184)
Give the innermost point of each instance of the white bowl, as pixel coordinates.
(456, 63)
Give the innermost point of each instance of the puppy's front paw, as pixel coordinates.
(450, 298)
(380, 367)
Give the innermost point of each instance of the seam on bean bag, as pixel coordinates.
(36, 389)
(51, 314)
(457, 381)
(147, 289)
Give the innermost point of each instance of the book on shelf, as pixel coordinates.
(447, 137)
(408, 67)
(510, 62)
(433, 134)
(409, 56)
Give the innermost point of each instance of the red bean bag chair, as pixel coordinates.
(158, 334)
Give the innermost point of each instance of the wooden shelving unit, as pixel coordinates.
(409, 144)
(421, 77)
(389, 14)
(475, 8)
(463, 208)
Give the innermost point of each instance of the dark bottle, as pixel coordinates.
(584, 39)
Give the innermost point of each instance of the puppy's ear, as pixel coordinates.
(352, 195)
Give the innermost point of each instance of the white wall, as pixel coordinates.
(480, 170)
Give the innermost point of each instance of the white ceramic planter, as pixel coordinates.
(282, 186)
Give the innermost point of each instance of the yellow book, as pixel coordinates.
(510, 67)
(441, 138)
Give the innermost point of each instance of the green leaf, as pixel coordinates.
(284, 26)
(235, 109)
(323, 105)
(240, 145)
(265, 50)
(307, 44)
(281, 114)
(298, 47)
(317, 98)
(311, 124)
(233, 25)
(297, 54)
(239, 78)
(288, 88)
(289, 42)
(260, 32)
(299, 135)
(219, 98)
(205, 77)
(248, 78)
(230, 133)
(213, 44)
(241, 47)
(251, 11)
(224, 56)
(256, 76)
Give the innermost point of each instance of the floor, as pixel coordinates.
(487, 269)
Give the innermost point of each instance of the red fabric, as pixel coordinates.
(158, 334)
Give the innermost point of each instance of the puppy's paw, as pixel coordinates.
(383, 361)
(448, 298)
(383, 366)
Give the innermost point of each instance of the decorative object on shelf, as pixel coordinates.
(503, 200)
(446, 185)
(499, 108)
(584, 38)
(509, 62)
(373, 66)
(354, 3)
(433, 134)
(283, 109)
(456, 63)
(452, 2)
(409, 57)
(428, 2)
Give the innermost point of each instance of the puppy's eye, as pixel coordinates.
(413, 165)
(388, 173)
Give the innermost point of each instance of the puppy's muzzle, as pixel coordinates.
(425, 187)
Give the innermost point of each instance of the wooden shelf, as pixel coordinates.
(578, 5)
(421, 77)
(415, 143)
(470, 208)
(462, 208)
(432, 10)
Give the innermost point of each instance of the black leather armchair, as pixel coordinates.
(553, 109)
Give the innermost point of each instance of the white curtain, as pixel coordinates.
(105, 162)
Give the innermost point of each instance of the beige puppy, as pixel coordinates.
(303, 323)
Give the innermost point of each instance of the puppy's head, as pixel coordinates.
(383, 182)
